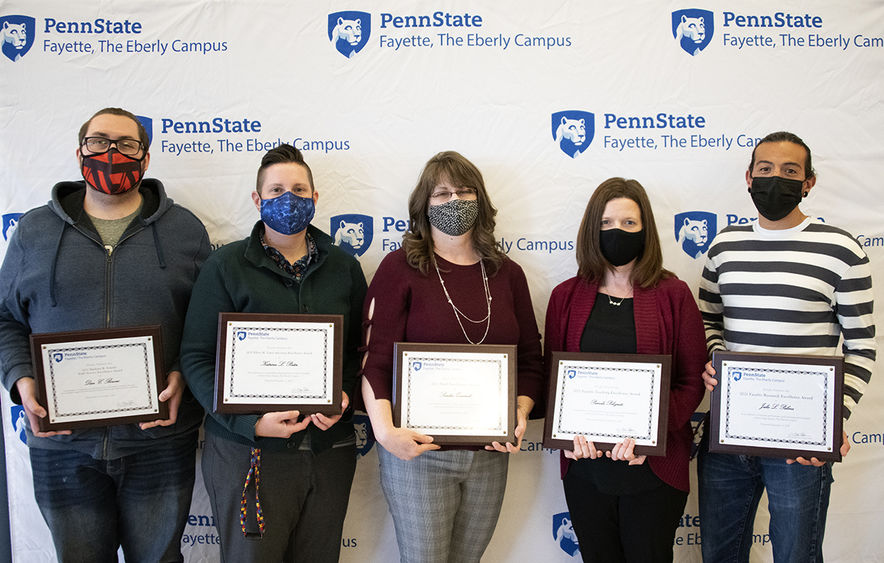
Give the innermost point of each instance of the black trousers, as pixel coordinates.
(637, 527)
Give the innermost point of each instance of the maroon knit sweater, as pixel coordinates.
(667, 321)
(411, 307)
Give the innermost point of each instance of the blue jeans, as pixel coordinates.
(140, 501)
(730, 487)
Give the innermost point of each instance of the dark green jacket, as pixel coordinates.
(240, 277)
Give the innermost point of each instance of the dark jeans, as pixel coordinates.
(636, 527)
(730, 488)
(140, 501)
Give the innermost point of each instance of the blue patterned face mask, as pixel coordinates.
(287, 214)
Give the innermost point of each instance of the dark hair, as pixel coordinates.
(280, 155)
(786, 137)
(418, 240)
(591, 264)
(142, 132)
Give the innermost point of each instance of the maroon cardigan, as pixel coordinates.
(667, 321)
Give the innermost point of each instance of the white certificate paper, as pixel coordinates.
(447, 393)
(269, 362)
(777, 405)
(607, 401)
(99, 379)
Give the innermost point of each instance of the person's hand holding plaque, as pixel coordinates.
(173, 392)
(403, 443)
(324, 422)
(27, 390)
(622, 451)
(524, 405)
(281, 424)
(709, 379)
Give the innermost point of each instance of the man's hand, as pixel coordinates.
(173, 392)
(27, 390)
(709, 377)
(845, 447)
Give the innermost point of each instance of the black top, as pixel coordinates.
(611, 329)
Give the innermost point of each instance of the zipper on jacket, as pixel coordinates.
(108, 276)
(108, 267)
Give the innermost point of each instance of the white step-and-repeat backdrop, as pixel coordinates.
(674, 94)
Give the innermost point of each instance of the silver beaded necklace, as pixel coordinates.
(458, 313)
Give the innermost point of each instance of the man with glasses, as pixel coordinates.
(109, 251)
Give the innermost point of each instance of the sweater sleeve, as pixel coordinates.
(855, 311)
(530, 361)
(15, 350)
(553, 337)
(203, 250)
(686, 388)
(385, 316)
(198, 344)
(711, 307)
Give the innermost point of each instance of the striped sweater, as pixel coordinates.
(792, 291)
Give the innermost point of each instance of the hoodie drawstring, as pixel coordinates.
(156, 243)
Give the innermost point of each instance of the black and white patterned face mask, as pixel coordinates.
(455, 217)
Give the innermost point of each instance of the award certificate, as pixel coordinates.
(777, 405)
(607, 398)
(269, 363)
(459, 394)
(99, 377)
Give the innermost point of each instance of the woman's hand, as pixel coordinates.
(623, 451)
(583, 449)
(404, 443)
(524, 404)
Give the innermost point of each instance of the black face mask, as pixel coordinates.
(775, 197)
(620, 247)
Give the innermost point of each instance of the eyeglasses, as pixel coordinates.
(100, 145)
(441, 196)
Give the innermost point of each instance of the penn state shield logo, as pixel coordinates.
(693, 29)
(241, 335)
(349, 31)
(10, 222)
(57, 357)
(694, 231)
(147, 123)
(19, 421)
(573, 131)
(364, 434)
(563, 532)
(352, 232)
(572, 373)
(17, 33)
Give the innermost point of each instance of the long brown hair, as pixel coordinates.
(460, 172)
(591, 264)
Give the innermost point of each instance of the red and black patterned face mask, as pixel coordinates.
(111, 172)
